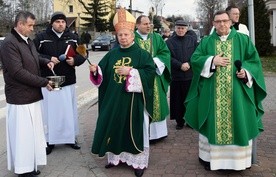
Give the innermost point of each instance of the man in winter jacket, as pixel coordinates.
(181, 47)
(21, 69)
(59, 45)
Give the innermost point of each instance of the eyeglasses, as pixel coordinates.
(222, 21)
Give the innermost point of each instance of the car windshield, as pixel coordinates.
(103, 37)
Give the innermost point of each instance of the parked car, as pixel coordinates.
(1, 40)
(103, 42)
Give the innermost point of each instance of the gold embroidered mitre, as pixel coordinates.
(123, 20)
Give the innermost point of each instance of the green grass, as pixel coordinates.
(269, 64)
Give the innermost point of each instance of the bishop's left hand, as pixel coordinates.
(123, 70)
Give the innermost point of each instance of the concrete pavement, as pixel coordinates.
(175, 156)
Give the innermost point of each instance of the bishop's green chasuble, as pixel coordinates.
(121, 113)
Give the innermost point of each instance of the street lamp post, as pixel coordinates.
(162, 9)
(151, 14)
(162, 21)
(251, 27)
(130, 6)
(78, 22)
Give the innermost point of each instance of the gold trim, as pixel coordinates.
(131, 109)
(156, 102)
(223, 96)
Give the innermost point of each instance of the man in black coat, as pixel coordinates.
(60, 45)
(21, 69)
(181, 46)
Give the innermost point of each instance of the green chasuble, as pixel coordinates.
(121, 113)
(156, 46)
(223, 108)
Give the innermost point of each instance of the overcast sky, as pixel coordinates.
(171, 7)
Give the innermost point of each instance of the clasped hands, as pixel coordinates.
(220, 60)
(123, 70)
(185, 66)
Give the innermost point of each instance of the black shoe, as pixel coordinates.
(187, 125)
(109, 165)
(49, 148)
(36, 172)
(207, 167)
(179, 127)
(205, 164)
(74, 146)
(154, 141)
(138, 172)
(27, 175)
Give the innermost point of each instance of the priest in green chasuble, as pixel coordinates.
(125, 78)
(224, 103)
(155, 45)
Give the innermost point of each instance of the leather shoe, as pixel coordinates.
(138, 172)
(27, 175)
(205, 164)
(154, 141)
(187, 125)
(109, 165)
(74, 146)
(178, 127)
(36, 172)
(207, 167)
(49, 148)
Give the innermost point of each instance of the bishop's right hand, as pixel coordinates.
(93, 68)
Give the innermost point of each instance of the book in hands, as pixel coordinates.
(70, 52)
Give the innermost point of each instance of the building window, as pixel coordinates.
(70, 9)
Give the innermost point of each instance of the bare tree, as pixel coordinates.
(40, 8)
(6, 17)
(158, 5)
(238, 3)
(8, 8)
(206, 10)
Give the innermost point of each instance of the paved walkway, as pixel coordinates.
(175, 156)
